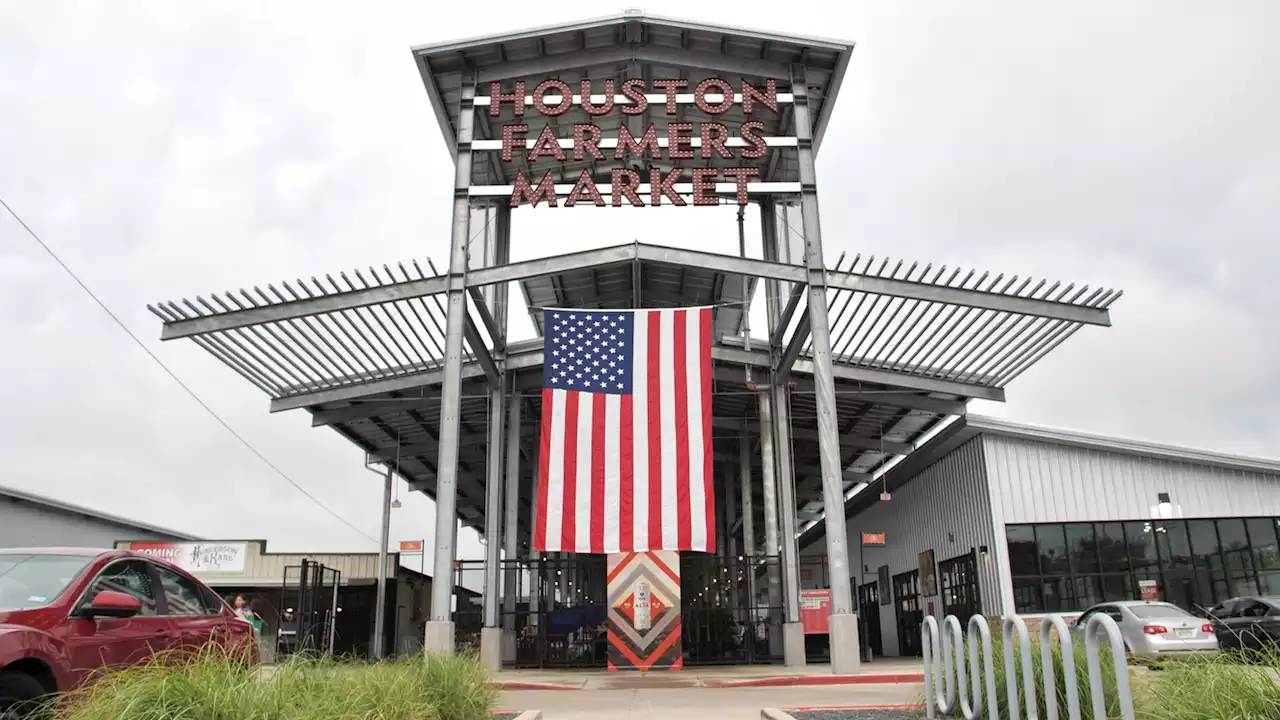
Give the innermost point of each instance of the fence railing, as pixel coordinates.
(953, 686)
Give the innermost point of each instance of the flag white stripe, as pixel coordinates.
(640, 428)
(697, 490)
(612, 475)
(555, 473)
(582, 517)
(667, 406)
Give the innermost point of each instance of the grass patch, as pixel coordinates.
(216, 687)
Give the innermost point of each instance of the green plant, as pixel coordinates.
(1225, 686)
(216, 687)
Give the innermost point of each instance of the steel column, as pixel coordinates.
(380, 610)
(786, 504)
(493, 515)
(843, 658)
(439, 637)
(748, 502)
(511, 507)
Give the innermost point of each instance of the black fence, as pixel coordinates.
(560, 614)
(307, 623)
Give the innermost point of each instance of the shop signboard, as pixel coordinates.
(815, 611)
(197, 557)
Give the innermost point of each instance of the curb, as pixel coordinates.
(803, 680)
(530, 715)
(775, 714)
(531, 686)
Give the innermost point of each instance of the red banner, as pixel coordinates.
(815, 611)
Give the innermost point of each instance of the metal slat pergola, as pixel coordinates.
(859, 363)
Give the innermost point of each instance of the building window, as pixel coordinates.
(1066, 567)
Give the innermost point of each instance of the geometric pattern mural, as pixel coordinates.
(644, 611)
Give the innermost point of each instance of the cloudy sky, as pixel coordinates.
(167, 149)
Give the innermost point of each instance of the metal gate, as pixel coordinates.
(959, 583)
(906, 596)
(728, 617)
(310, 607)
(869, 615)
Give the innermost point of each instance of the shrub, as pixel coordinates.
(215, 687)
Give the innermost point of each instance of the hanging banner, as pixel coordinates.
(815, 611)
(644, 629)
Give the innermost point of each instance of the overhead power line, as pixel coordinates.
(177, 379)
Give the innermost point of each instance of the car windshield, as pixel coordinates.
(32, 581)
(1147, 612)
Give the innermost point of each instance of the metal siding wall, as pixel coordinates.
(1034, 481)
(950, 496)
(24, 524)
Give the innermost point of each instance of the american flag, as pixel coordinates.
(625, 462)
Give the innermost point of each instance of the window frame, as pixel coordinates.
(201, 594)
(161, 602)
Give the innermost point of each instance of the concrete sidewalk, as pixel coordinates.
(882, 671)
(699, 703)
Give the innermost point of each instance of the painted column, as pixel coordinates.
(439, 636)
(845, 657)
(380, 609)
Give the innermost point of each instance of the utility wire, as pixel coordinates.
(176, 379)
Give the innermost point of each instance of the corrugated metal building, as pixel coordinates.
(28, 520)
(1008, 517)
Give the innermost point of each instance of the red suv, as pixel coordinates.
(65, 612)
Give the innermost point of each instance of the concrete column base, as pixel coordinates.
(509, 646)
(845, 656)
(439, 637)
(793, 645)
(491, 648)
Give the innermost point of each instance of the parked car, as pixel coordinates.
(1151, 628)
(66, 612)
(1247, 623)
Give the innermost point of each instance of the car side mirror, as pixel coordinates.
(112, 604)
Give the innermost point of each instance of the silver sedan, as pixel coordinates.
(1155, 627)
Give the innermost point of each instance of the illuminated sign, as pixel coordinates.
(680, 141)
(410, 546)
(873, 538)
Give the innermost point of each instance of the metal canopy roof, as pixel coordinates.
(362, 353)
(630, 45)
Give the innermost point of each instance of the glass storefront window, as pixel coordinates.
(1052, 543)
(1262, 536)
(1064, 567)
(1111, 547)
(1140, 539)
(1082, 547)
(1171, 541)
(1023, 557)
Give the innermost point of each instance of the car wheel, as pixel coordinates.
(21, 696)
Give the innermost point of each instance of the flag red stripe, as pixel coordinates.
(684, 528)
(596, 532)
(704, 361)
(544, 470)
(654, 340)
(626, 479)
(568, 522)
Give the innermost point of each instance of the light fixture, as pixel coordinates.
(1164, 506)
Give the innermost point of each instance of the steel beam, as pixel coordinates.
(553, 265)
(842, 659)
(303, 308)
(729, 264)
(486, 318)
(428, 397)
(926, 292)
(779, 334)
(748, 491)
(798, 340)
(632, 53)
(852, 441)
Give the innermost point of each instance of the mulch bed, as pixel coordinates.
(859, 714)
